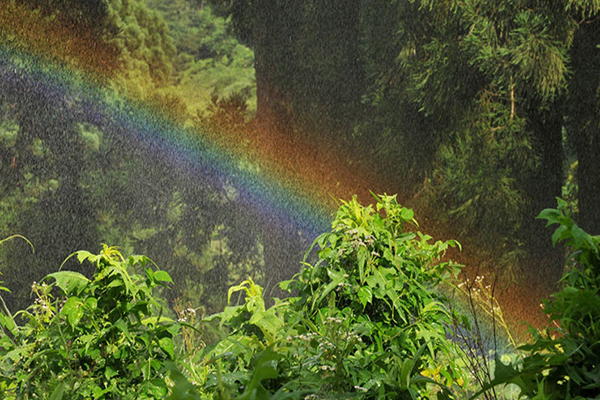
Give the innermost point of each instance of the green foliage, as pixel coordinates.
(210, 60)
(366, 320)
(101, 338)
(562, 361)
(90, 15)
(229, 114)
(382, 279)
(490, 81)
(146, 49)
(476, 177)
(366, 262)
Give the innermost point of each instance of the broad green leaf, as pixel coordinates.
(284, 285)
(559, 234)
(98, 392)
(265, 367)
(157, 388)
(581, 238)
(144, 339)
(122, 326)
(86, 340)
(562, 204)
(166, 344)
(7, 321)
(378, 223)
(550, 215)
(136, 259)
(363, 256)
(365, 295)
(73, 309)
(109, 372)
(268, 322)
(70, 282)
(150, 274)
(86, 255)
(336, 278)
(407, 214)
(162, 276)
(58, 392)
(91, 303)
(333, 238)
(389, 256)
(115, 283)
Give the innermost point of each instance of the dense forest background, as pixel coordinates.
(477, 113)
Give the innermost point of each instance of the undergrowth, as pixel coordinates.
(372, 318)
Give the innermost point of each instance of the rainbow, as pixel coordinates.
(182, 147)
(282, 179)
(287, 179)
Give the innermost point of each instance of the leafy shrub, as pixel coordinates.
(376, 283)
(563, 360)
(366, 320)
(248, 360)
(98, 338)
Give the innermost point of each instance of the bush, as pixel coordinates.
(366, 320)
(98, 338)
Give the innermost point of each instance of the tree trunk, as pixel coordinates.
(333, 64)
(275, 26)
(584, 118)
(545, 185)
(275, 29)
